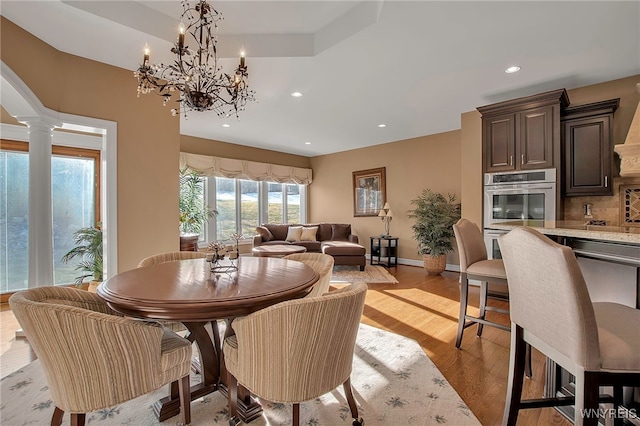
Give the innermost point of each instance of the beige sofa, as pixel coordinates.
(334, 239)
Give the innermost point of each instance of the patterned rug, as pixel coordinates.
(371, 274)
(394, 383)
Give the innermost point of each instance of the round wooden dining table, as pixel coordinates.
(188, 291)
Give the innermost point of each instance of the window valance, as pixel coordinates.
(241, 169)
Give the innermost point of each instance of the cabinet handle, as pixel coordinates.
(522, 159)
(606, 181)
(511, 160)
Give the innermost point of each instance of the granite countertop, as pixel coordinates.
(576, 229)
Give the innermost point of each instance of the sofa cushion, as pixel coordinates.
(340, 232)
(279, 231)
(324, 232)
(294, 233)
(308, 233)
(342, 248)
(264, 233)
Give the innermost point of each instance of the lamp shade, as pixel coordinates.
(387, 206)
(389, 213)
(382, 213)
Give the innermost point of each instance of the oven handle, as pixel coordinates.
(518, 190)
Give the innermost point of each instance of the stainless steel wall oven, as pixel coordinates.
(517, 196)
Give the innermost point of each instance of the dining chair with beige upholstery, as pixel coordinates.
(172, 256)
(598, 343)
(296, 350)
(322, 264)
(94, 358)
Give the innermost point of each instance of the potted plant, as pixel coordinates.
(89, 249)
(194, 213)
(434, 216)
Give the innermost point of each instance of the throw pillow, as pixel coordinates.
(340, 232)
(308, 233)
(264, 233)
(294, 234)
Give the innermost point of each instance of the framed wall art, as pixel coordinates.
(369, 191)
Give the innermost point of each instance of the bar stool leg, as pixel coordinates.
(464, 298)
(484, 288)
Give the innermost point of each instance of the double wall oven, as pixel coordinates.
(516, 196)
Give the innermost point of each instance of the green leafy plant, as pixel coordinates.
(89, 249)
(434, 216)
(193, 212)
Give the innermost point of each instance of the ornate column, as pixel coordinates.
(40, 210)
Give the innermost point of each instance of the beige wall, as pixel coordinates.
(148, 136)
(411, 166)
(471, 166)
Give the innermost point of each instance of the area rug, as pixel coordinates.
(394, 383)
(371, 274)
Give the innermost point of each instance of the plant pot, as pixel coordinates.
(93, 286)
(189, 242)
(434, 265)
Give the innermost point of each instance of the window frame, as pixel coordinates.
(63, 151)
(210, 232)
(66, 151)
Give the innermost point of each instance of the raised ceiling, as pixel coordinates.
(412, 65)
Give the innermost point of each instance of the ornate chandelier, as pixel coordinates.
(195, 73)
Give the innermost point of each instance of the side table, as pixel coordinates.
(384, 247)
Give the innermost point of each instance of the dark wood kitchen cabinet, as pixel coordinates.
(587, 132)
(523, 133)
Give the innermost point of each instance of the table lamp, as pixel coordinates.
(386, 215)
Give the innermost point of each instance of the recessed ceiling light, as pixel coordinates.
(307, 143)
(296, 94)
(512, 69)
(382, 125)
(226, 125)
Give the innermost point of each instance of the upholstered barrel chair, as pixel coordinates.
(93, 358)
(296, 350)
(172, 256)
(322, 264)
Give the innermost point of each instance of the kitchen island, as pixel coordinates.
(609, 256)
(576, 229)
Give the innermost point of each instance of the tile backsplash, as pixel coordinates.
(602, 207)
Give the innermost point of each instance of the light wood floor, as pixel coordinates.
(425, 309)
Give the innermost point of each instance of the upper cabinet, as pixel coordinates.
(587, 132)
(523, 133)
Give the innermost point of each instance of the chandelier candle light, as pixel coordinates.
(195, 73)
(386, 215)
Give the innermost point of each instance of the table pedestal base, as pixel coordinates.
(249, 408)
(168, 407)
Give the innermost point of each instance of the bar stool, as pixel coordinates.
(598, 343)
(474, 265)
